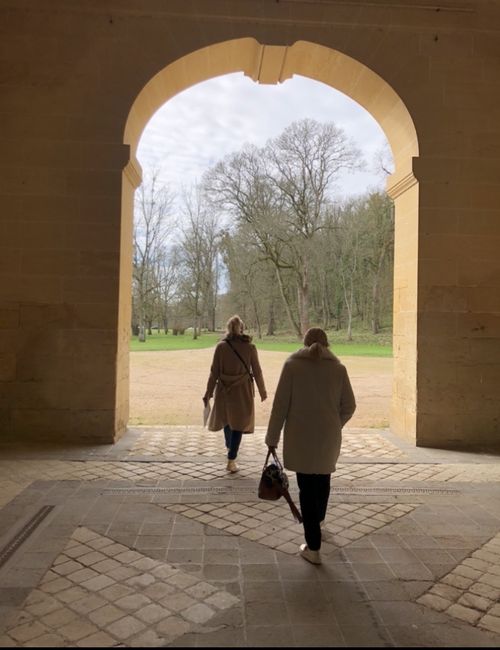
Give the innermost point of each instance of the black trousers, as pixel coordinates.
(314, 491)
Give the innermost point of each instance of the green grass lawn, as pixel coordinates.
(171, 342)
(364, 344)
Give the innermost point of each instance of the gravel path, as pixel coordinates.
(166, 387)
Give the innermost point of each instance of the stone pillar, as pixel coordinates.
(131, 179)
(404, 191)
(59, 279)
(458, 324)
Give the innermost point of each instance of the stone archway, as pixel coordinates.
(272, 64)
(66, 208)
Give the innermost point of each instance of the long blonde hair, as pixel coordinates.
(235, 328)
(316, 340)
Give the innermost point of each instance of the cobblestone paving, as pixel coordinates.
(471, 592)
(411, 539)
(99, 593)
(190, 441)
(272, 525)
(369, 444)
(22, 472)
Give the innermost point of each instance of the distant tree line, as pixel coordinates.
(263, 235)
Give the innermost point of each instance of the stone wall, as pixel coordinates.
(79, 80)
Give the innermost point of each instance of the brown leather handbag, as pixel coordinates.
(273, 484)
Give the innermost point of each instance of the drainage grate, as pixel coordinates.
(229, 489)
(394, 490)
(177, 490)
(28, 529)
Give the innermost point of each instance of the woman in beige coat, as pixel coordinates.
(235, 366)
(313, 401)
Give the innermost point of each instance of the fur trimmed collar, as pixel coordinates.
(305, 353)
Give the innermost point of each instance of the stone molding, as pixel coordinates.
(397, 185)
(133, 172)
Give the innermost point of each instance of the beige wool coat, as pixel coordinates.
(313, 401)
(234, 389)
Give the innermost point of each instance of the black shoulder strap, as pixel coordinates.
(239, 357)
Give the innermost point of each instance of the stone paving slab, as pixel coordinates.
(471, 591)
(178, 442)
(100, 593)
(272, 525)
(17, 474)
(403, 530)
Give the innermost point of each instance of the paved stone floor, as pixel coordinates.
(150, 542)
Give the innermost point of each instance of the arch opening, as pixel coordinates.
(271, 65)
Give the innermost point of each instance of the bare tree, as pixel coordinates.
(199, 251)
(281, 192)
(239, 185)
(303, 163)
(252, 278)
(348, 248)
(153, 220)
(168, 272)
(377, 216)
(383, 162)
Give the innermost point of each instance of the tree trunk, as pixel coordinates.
(257, 319)
(305, 307)
(215, 292)
(165, 312)
(376, 293)
(288, 309)
(271, 324)
(375, 306)
(195, 320)
(150, 326)
(142, 325)
(349, 312)
(338, 315)
(325, 307)
(349, 304)
(303, 299)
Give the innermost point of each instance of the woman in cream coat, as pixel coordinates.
(313, 401)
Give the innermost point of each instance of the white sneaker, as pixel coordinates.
(311, 556)
(232, 466)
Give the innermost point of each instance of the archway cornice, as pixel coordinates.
(272, 64)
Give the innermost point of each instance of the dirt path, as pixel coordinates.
(166, 387)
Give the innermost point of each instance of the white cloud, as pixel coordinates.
(211, 119)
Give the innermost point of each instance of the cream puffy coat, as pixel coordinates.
(234, 389)
(313, 401)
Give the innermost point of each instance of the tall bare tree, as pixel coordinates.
(152, 222)
(377, 218)
(303, 163)
(199, 250)
(281, 192)
(239, 185)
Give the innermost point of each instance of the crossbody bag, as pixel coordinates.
(241, 359)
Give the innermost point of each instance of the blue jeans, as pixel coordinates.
(233, 439)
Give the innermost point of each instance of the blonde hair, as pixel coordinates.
(235, 326)
(316, 340)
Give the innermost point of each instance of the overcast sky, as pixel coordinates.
(200, 125)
